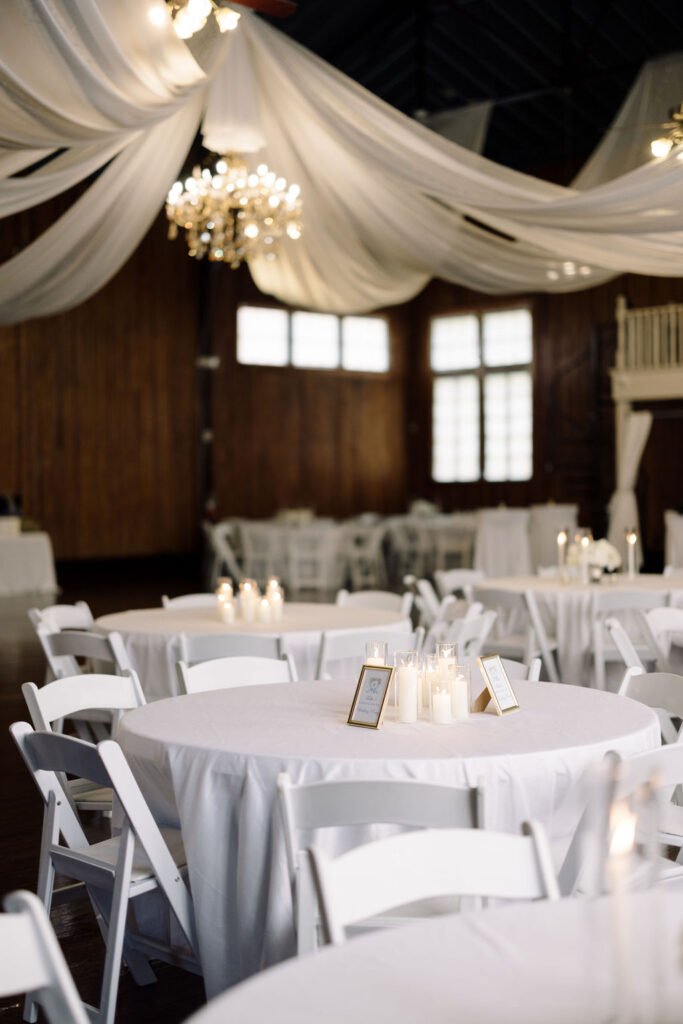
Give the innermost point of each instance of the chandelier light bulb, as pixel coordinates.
(184, 24)
(661, 147)
(157, 14)
(227, 19)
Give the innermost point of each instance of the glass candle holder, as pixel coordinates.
(376, 652)
(459, 687)
(430, 673)
(225, 606)
(273, 583)
(406, 685)
(249, 594)
(276, 598)
(224, 586)
(447, 656)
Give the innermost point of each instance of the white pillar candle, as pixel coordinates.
(263, 610)
(276, 605)
(631, 541)
(226, 611)
(441, 707)
(460, 703)
(430, 678)
(561, 549)
(248, 606)
(407, 694)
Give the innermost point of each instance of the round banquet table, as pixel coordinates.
(151, 636)
(210, 761)
(567, 611)
(524, 964)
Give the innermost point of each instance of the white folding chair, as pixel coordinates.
(364, 556)
(189, 601)
(451, 609)
(115, 871)
(62, 616)
(453, 546)
(530, 643)
(470, 634)
(219, 539)
(32, 961)
(66, 697)
(385, 599)
(265, 550)
(226, 673)
(63, 649)
(659, 627)
(447, 582)
(608, 604)
(341, 645)
(345, 805)
(623, 644)
(661, 691)
(378, 877)
(193, 649)
(315, 560)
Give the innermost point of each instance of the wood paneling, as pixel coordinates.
(100, 438)
(286, 437)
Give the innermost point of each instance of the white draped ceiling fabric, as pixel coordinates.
(623, 507)
(96, 85)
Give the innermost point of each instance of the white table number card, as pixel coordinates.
(371, 696)
(498, 687)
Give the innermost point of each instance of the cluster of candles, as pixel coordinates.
(249, 604)
(584, 538)
(437, 688)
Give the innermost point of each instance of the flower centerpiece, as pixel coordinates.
(599, 555)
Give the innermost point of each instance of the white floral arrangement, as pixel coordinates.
(598, 552)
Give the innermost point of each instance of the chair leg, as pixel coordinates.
(46, 881)
(116, 930)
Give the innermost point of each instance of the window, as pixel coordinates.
(482, 397)
(275, 337)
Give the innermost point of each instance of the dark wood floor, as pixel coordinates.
(107, 588)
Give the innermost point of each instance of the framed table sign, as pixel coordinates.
(498, 686)
(371, 695)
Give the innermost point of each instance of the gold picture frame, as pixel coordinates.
(498, 687)
(371, 696)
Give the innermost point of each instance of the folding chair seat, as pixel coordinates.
(342, 645)
(225, 673)
(116, 871)
(32, 961)
(428, 864)
(64, 698)
(346, 805)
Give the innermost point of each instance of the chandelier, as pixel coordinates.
(674, 134)
(231, 214)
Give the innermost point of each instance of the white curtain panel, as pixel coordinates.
(385, 198)
(623, 507)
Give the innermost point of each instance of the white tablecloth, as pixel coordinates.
(567, 612)
(539, 963)
(501, 544)
(151, 635)
(210, 762)
(27, 565)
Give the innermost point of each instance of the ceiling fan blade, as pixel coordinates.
(278, 8)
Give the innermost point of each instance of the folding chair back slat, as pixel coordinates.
(338, 645)
(194, 649)
(225, 673)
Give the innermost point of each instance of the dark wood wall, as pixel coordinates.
(98, 412)
(101, 420)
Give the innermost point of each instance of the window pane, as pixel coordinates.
(507, 426)
(261, 336)
(455, 429)
(454, 343)
(365, 343)
(507, 337)
(315, 340)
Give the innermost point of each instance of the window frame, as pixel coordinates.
(481, 372)
(339, 368)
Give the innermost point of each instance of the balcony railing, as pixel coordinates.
(650, 338)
